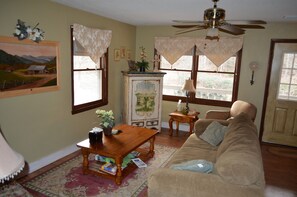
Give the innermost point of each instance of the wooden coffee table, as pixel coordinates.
(117, 147)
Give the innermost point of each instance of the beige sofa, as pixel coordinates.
(238, 168)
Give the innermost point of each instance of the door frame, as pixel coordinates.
(269, 67)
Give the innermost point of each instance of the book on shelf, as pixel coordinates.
(109, 168)
(126, 160)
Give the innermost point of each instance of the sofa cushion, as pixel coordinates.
(199, 165)
(194, 148)
(240, 129)
(214, 133)
(239, 156)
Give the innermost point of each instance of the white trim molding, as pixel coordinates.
(182, 127)
(51, 158)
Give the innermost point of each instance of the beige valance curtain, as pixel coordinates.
(216, 51)
(94, 41)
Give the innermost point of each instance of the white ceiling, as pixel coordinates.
(162, 12)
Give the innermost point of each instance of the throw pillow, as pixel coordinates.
(214, 133)
(194, 165)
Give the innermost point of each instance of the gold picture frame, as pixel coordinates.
(28, 67)
(128, 54)
(123, 52)
(117, 55)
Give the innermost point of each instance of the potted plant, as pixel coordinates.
(106, 120)
(142, 64)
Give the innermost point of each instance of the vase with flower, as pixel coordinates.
(143, 63)
(106, 121)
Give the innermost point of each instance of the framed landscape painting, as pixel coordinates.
(27, 67)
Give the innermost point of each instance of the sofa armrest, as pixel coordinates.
(166, 182)
(217, 114)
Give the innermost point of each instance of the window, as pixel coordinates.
(89, 81)
(287, 89)
(214, 85)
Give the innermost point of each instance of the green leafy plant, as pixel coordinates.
(143, 63)
(106, 118)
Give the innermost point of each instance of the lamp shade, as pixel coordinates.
(189, 86)
(11, 162)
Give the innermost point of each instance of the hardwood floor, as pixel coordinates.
(280, 165)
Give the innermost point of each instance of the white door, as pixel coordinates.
(280, 122)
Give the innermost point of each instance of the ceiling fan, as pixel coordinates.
(214, 21)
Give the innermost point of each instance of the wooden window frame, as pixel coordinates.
(94, 104)
(194, 72)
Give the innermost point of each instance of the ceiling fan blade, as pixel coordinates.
(231, 29)
(187, 31)
(250, 26)
(188, 21)
(246, 22)
(185, 26)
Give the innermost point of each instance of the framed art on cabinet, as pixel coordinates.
(27, 67)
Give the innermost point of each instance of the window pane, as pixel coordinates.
(283, 91)
(87, 85)
(214, 86)
(288, 60)
(83, 62)
(294, 77)
(206, 65)
(173, 82)
(293, 93)
(286, 76)
(183, 63)
(288, 82)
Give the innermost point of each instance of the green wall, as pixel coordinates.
(40, 124)
(255, 48)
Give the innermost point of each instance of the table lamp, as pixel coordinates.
(188, 87)
(11, 162)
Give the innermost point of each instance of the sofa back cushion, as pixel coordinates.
(239, 158)
(242, 106)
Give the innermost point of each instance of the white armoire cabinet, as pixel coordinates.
(143, 99)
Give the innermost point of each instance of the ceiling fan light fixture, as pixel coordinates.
(214, 21)
(212, 33)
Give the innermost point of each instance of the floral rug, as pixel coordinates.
(67, 179)
(14, 190)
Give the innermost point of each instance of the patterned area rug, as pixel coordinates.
(67, 179)
(13, 190)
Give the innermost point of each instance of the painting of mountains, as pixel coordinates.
(27, 67)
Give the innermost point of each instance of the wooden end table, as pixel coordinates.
(117, 147)
(178, 117)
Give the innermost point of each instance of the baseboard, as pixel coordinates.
(51, 158)
(182, 127)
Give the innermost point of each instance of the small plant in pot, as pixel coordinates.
(106, 120)
(142, 64)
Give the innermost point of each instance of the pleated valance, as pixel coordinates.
(216, 51)
(94, 41)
